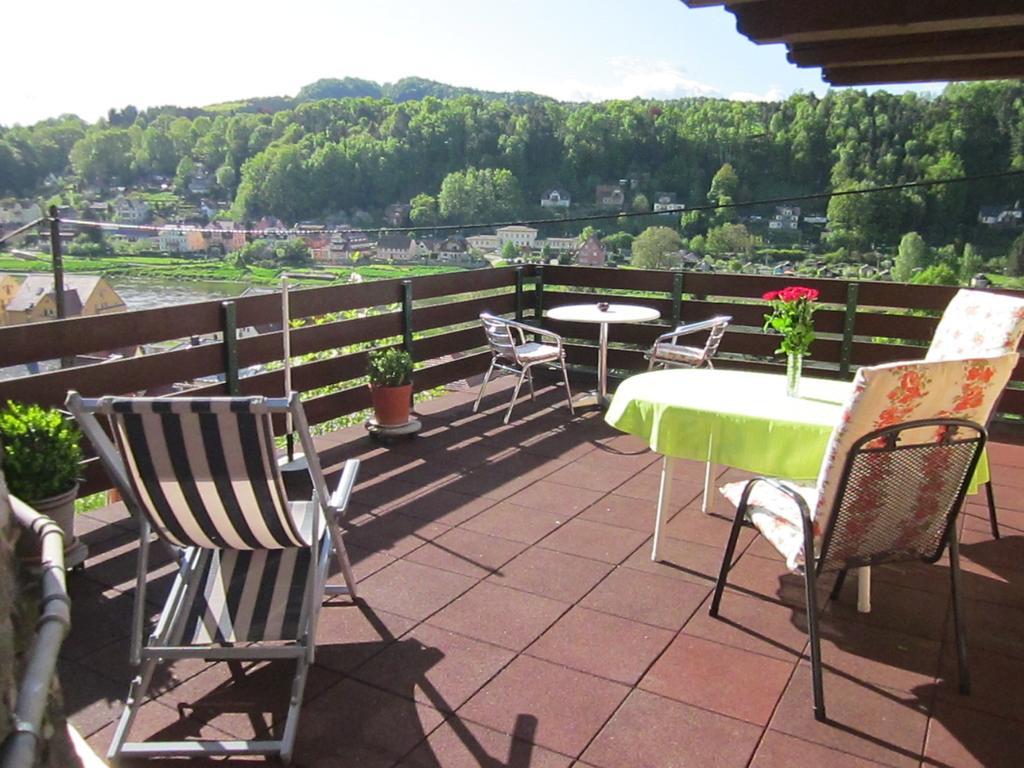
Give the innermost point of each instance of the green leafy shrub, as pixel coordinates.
(41, 451)
(391, 367)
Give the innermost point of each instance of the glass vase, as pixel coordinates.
(794, 365)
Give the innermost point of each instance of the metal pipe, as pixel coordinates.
(19, 748)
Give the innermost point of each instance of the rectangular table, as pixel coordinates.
(738, 419)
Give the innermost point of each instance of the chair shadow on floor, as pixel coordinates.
(350, 719)
(903, 652)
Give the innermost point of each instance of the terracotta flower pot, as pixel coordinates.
(391, 405)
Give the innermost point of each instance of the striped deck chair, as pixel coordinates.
(202, 474)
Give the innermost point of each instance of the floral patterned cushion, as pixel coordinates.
(777, 516)
(890, 394)
(978, 323)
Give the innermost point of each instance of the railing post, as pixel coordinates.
(58, 263)
(677, 298)
(519, 294)
(229, 325)
(538, 294)
(849, 320)
(407, 315)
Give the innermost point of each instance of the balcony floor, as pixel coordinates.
(510, 615)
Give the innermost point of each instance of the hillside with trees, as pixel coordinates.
(344, 149)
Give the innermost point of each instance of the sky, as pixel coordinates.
(86, 57)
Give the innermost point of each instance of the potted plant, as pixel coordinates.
(390, 372)
(41, 461)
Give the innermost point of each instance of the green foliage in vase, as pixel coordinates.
(792, 316)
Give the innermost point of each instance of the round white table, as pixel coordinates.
(616, 313)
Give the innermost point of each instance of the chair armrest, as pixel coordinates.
(523, 328)
(690, 328)
(339, 499)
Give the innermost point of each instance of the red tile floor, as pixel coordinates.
(510, 615)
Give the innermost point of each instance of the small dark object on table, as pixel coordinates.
(603, 306)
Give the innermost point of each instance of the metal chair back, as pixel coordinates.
(500, 337)
(900, 490)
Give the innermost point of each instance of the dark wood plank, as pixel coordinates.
(604, 277)
(1010, 67)
(456, 312)
(902, 49)
(793, 21)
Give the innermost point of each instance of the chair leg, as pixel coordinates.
(515, 396)
(483, 386)
(838, 586)
(568, 392)
(958, 612)
(730, 548)
(992, 509)
(529, 380)
(810, 582)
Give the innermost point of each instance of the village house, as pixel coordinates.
(1001, 216)
(172, 240)
(395, 247)
(786, 218)
(610, 196)
(483, 243)
(454, 250)
(9, 285)
(560, 244)
(592, 253)
(201, 182)
(555, 198)
(131, 210)
(518, 235)
(666, 201)
(36, 300)
(344, 243)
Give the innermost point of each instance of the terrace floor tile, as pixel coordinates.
(594, 642)
(541, 691)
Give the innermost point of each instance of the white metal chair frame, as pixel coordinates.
(165, 640)
(507, 339)
(716, 326)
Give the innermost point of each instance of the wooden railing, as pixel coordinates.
(861, 323)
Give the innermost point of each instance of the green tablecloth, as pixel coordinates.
(735, 418)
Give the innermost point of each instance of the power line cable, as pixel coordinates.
(278, 232)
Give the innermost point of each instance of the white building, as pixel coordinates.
(170, 240)
(555, 198)
(666, 201)
(518, 235)
(483, 243)
(567, 244)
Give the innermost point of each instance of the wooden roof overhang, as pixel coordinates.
(870, 42)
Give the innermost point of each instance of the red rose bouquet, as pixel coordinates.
(791, 315)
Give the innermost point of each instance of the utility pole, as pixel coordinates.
(58, 264)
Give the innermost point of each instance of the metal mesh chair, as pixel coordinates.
(900, 489)
(979, 323)
(202, 474)
(669, 353)
(512, 353)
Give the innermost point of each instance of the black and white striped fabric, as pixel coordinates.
(246, 596)
(205, 471)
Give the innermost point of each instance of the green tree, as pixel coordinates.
(656, 248)
(724, 185)
(477, 195)
(912, 255)
(509, 251)
(937, 274)
(1015, 258)
(618, 241)
(970, 264)
(641, 204)
(423, 210)
(104, 157)
(730, 239)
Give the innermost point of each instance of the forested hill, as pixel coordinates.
(326, 157)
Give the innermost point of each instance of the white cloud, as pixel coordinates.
(772, 94)
(631, 77)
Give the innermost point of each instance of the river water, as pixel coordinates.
(145, 293)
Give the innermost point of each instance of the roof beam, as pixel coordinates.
(923, 72)
(796, 21)
(901, 49)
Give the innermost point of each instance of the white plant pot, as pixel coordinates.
(60, 509)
